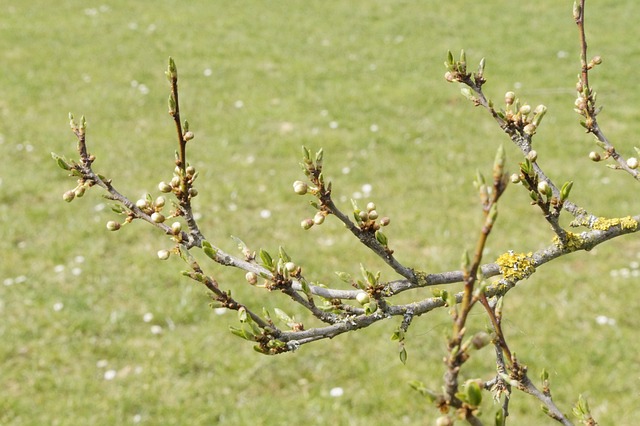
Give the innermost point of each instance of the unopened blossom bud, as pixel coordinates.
(79, 191)
(597, 60)
(509, 97)
(112, 225)
(632, 162)
(373, 215)
(530, 129)
(515, 178)
(176, 227)
(364, 216)
(449, 77)
(190, 171)
(594, 156)
(193, 192)
(142, 203)
(175, 181)
(163, 254)
(363, 297)
(164, 187)
(543, 187)
(188, 136)
(251, 278)
(69, 196)
(385, 221)
(290, 266)
(160, 202)
(157, 217)
(525, 109)
(306, 224)
(532, 156)
(371, 206)
(318, 219)
(300, 187)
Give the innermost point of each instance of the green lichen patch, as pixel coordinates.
(516, 266)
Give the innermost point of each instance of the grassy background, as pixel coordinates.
(363, 79)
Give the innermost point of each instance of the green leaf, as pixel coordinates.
(344, 277)
(474, 393)
(62, 163)
(267, 260)
(403, 354)
(283, 255)
(209, 250)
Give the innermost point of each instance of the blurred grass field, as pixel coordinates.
(96, 330)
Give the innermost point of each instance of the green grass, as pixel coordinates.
(73, 297)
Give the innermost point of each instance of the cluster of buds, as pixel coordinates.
(540, 190)
(521, 117)
(181, 184)
(78, 191)
(457, 71)
(585, 103)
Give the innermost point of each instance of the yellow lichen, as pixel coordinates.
(574, 242)
(516, 266)
(603, 224)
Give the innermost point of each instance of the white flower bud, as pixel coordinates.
(188, 136)
(363, 297)
(530, 129)
(142, 204)
(193, 192)
(307, 223)
(632, 162)
(112, 225)
(251, 278)
(69, 196)
(164, 187)
(532, 156)
(290, 266)
(515, 178)
(160, 202)
(525, 109)
(163, 254)
(373, 215)
(509, 97)
(318, 219)
(385, 221)
(543, 187)
(157, 217)
(300, 187)
(594, 156)
(371, 206)
(176, 227)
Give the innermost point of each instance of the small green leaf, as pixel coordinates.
(283, 255)
(566, 189)
(382, 239)
(209, 250)
(267, 260)
(344, 277)
(403, 354)
(61, 161)
(474, 393)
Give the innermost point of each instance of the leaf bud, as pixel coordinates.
(300, 187)
(163, 254)
(632, 162)
(594, 156)
(306, 224)
(112, 225)
(251, 278)
(164, 187)
(69, 196)
(157, 217)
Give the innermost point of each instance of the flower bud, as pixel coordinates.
(290, 266)
(69, 196)
(79, 191)
(515, 178)
(529, 129)
(300, 187)
(157, 217)
(632, 162)
(449, 77)
(373, 215)
(509, 97)
(543, 187)
(364, 216)
(371, 206)
(163, 254)
(385, 221)
(594, 156)
(164, 187)
(188, 136)
(532, 156)
(176, 227)
(112, 225)
(318, 219)
(193, 192)
(142, 204)
(251, 278)
(190, 171)
(363, 297)
(175, 181)
(525, 109)
(306, 224)
(160, 202)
